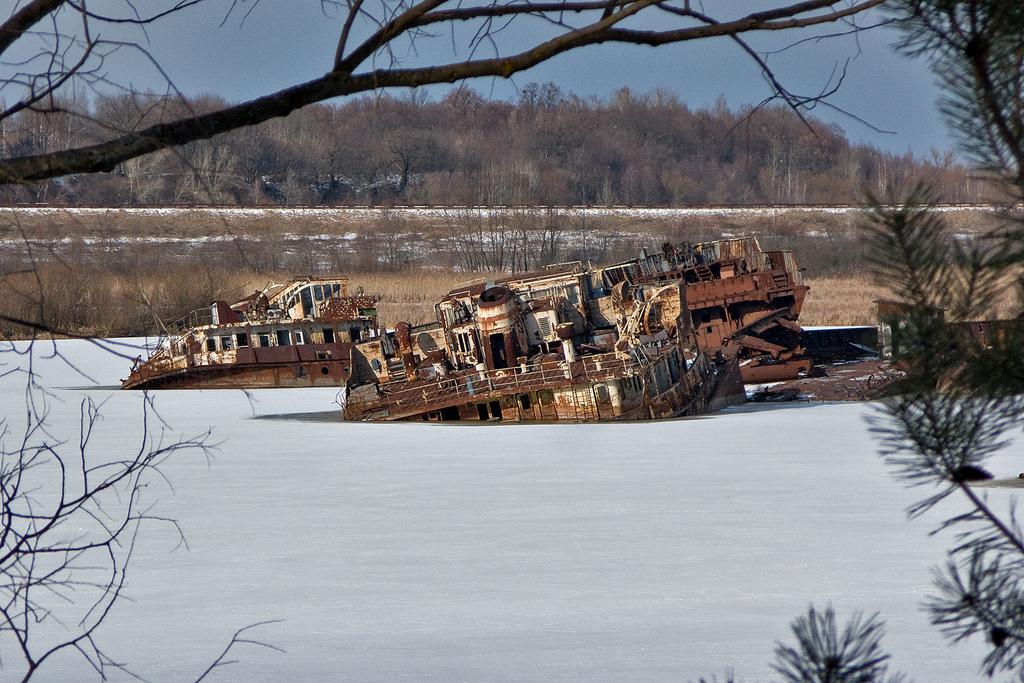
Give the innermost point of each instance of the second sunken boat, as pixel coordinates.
(569, 342)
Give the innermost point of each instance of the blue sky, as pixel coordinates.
(282, 42)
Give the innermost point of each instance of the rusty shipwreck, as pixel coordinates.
(569, 342)
(666, 334)
(295, 334)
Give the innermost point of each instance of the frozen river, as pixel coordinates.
(650, 551)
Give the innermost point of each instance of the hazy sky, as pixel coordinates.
(284, 41)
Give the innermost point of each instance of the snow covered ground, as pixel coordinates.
(649, 551)
(360, 214)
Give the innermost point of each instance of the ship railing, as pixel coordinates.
(162, 362)
(466, 386)
(197, 318)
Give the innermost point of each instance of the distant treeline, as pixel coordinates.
(547, 148)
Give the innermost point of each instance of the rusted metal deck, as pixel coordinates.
(402, 400)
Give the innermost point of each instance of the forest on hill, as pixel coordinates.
(546, 148)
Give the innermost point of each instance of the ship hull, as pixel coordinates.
(291, 375)
(281, 367)
(591, 390)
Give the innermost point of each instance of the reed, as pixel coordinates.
(83, 300)
(841, 300)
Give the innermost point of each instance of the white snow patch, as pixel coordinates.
(752, 389)
(358, 214)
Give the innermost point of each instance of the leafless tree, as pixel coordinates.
(70, 50)
(70, 515)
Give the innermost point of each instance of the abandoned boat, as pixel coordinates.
(745, 302)
(569, 342)
(296, 334)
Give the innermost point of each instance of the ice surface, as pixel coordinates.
(648, 551)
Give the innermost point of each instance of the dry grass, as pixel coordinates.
(849, 300)
(408, 295)
(85, 301)
(88, 301)
(842, 300)
(103, 303)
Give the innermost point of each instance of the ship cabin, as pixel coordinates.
(317, 311)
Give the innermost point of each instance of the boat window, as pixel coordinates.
(241, 339)
(318, 292)
(376, 365)
(544, 325)
(264, 340)
(328, 335)
(225, 343)
(283, 338)
(306, 294)
(211, 344)
(300, 337)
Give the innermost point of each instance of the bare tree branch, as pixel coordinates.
(239, 638)
(24, 19)
(343, 80)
